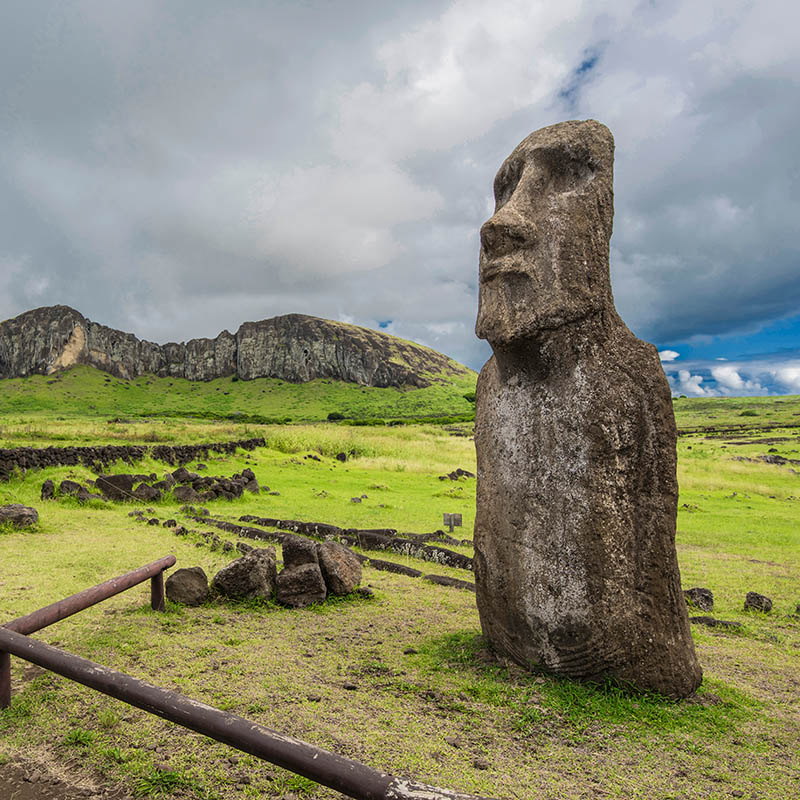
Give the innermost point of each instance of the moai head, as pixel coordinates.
(544, 253)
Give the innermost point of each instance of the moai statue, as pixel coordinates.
(575, 560)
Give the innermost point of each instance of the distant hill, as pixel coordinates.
(294, 348)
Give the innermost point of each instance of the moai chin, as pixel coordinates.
(575, 560)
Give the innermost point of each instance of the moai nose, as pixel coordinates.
(505, 233)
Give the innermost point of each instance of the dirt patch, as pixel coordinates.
(31, 781)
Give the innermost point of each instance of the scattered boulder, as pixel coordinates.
(68, 487)
(83, 495)
(48, 490)
(700, 598)
(757, 602)
(340, 567)
(301, 586)
(298, 551)
(185, 494)
(116, 487)
(147, 493)
(341, 456)
(188, 586)
(253, 576)
(18, 515)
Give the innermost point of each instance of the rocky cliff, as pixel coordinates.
(293, 347)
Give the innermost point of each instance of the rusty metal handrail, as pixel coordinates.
(337, 772)
(62, 609)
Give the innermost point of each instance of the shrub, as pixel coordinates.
(334, 416)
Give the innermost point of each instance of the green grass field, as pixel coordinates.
(446, 713)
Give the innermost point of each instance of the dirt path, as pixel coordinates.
(29, 781)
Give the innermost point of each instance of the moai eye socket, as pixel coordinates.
(566, 169)
(506, 182)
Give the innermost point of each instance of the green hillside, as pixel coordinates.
(89, 392)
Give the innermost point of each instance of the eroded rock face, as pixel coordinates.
(293, 347)
(575, 563)
(340, 567)
(251, 577)
(301, 586)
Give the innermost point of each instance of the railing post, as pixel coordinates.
(5, 679)
(157, 601)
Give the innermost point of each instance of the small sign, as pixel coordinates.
(452, 521)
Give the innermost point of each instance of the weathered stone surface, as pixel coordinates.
(301, 586)
(700, 598)
(575, 561)
(48, 490)
(340, 567)
(116, 487)
(757, 602)
(251, 577)
(185, 494)
(188, 586)
(18, 515)
(293, 347)
(68, 487)
(297, 551)
(149, 494)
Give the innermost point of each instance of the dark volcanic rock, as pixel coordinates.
(340, 567)
(48, 490)
(297, 551)
(757, 602)
(149, 494)
(116, 487)
(249, 577)
(68, 487)
(575, 436)
(188, 586)
(712, 622)
(391, 566)
(444, 580)
(185, 494)
(293, 347)
(301, 586)
(700, 598)
(18, 515)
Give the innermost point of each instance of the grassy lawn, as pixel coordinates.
(429, 702)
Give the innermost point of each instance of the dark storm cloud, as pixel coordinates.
(174, 168)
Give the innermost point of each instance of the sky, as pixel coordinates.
(174, 168)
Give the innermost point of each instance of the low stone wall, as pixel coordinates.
(102, 456)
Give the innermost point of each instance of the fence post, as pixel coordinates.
(5, 679)
(157, 602)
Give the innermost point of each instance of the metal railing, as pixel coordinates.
(329, 769)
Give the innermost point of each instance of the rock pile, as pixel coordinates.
(310, 573)
(185, 487)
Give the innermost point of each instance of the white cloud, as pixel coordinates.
(730, 382)
(668, 355)
(689, 384)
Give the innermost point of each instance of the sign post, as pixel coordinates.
(452, 521)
